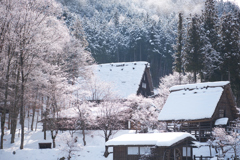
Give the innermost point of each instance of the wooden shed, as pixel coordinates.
(165, 146)
(197, 108)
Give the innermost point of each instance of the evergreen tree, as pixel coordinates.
(193, 55)
(230, 52)
(178, 47)
(210, 20)
(211, 40)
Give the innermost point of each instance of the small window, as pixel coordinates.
(144, 85)
(132, 150)
(145, 150)
(221, 113)
(129, 125)
(186, 151)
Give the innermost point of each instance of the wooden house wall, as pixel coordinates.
(224, 104)
(120, 152)
(148, 91)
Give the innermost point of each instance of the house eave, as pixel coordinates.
(187, 120)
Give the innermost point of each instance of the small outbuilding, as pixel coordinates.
(166, 146)
(197, 108)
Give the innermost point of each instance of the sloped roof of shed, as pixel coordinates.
(151, 139)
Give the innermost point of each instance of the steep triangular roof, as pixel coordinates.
(192, 101)
(124, 77)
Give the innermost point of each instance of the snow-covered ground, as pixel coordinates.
(92, 151)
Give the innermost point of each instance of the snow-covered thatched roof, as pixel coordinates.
(151, 139)
(124, 77)
(192, 101)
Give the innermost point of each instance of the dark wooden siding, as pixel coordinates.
(225, 105)
(146, 79)
(120, 153)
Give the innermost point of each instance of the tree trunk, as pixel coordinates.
(34, 109)
(2, 127)
(54, 144)
(44, 129)
(45, 119)
(69, 156)
(54, 137)
(106, 153)
(195, 77)
(140, 51)
(83, 133)
(42, 108)
(22, 103)
(36, 122)
(15, 109)
(9, 119)
(3, 117)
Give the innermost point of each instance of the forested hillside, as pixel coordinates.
(119, 31)
(134, 30)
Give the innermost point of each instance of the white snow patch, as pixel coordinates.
(221, 121)
(199, 85)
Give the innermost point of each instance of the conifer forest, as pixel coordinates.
(195, 36)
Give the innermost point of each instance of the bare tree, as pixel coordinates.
(70, 145)
(84, 119)
(110, 119)
(143, 113)
(226, 141)
(35, 43)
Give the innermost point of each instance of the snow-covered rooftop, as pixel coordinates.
(221, 121)
(199, 85)
(192, 101)
(151, 139)
(124, 77)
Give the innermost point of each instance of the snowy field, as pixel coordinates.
(92, 151)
